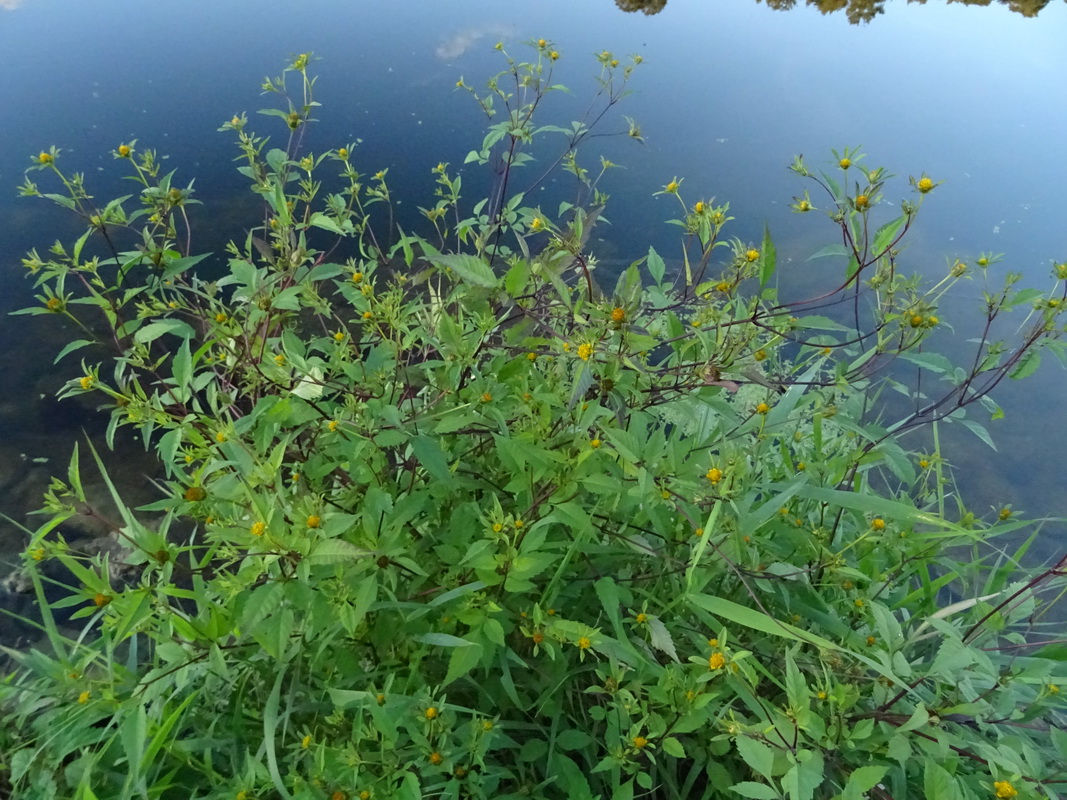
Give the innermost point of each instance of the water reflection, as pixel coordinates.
(856, 10)
(462, 41)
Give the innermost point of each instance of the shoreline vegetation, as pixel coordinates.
(453, 513)
(856, 11)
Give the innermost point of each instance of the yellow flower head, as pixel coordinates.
(641, 618)
(342, 153)
(762, 408)
(862, 201)
(845, 163)
(699, 207)
(305, 743)
(878, 524)
(542, 43)
(436, 758)
(751, 255)
(584, 643)
(722, 286)
(86, 382)
(54, 304)
(717, 661)
(258, 528)
(916, 320)
(925, 184)
(714, 475)
(594, 443)
(640, 742)
(1004, 789)
(486, 397)
(618, 314)
(672, 187)
(124, 150)
(83, 698)
(100, 599)
(536, 224)
(554, 55)
(332, 425)
(760, 354)
(430, 713)
(585, 350)
(1004, 513)
(37, 554)
(45, 158)
(194, 494)
(314, 521)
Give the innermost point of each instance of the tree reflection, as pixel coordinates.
(645, 6)
(856, 10)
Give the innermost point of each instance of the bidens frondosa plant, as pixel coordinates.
(446, 516)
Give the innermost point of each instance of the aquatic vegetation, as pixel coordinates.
(448, 513)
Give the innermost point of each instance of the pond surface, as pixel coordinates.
(728, 93)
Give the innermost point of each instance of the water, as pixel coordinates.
(730, 91)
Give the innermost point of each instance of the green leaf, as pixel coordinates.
(672, 747)
(938, 783)
(183, 365)
(805, 776)
(886, 234)
(336, 551)
(1027, 365)
(758, 791)
(77, 344)
(270, 727)
(861, 781)
(469, 268)
(133, 733)
(768, 257)
(462, 661)
(756, 754)
(831, 250)
(573, 739)
(933, 362)
(431, 456)
(153, 330)
(443, 640)
(320, 220)
(656, 267)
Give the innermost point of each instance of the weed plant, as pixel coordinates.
(441, 515)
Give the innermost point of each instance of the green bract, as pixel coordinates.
(445, 517)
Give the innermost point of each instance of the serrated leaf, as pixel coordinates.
(462, 661)
(756, 754)
(153, 330)
(443, 640)
(861, 781)
(661, 639)
(470, 269)
(672, 747)
(656, 267)
(1027, 365)
(336, 551)
(768, 257)
(830, 250)
(757, 791)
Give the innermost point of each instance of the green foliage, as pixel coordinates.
(443, 517)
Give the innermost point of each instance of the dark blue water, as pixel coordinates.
(729, 92)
